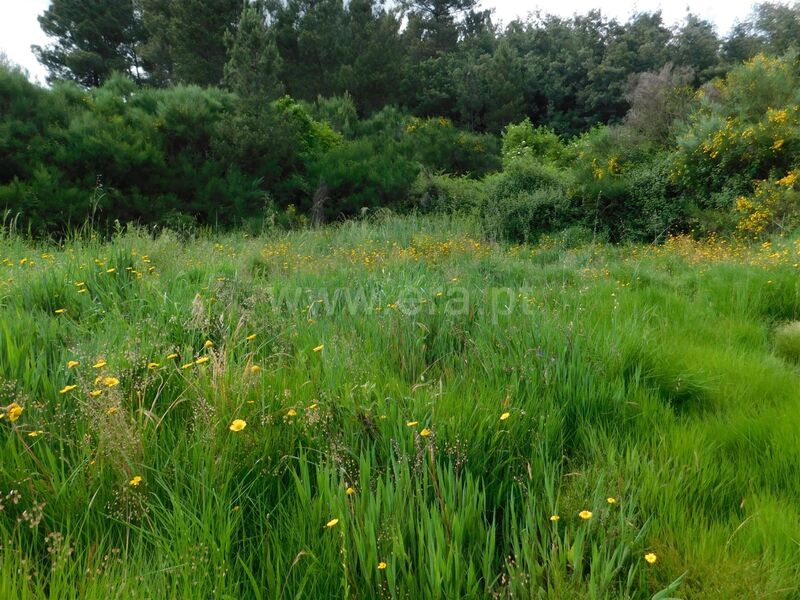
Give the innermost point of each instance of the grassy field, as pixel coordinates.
(398, 409)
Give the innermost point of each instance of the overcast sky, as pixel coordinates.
(19, 27)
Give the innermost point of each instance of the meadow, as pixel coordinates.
(398, 408)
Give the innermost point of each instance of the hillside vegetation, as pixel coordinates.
(398, 408)
(628, 131)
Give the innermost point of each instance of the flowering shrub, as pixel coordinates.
(746, 129)
(774, 207)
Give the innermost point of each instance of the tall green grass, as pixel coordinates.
(640, 384)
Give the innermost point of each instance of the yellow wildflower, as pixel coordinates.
(35, 433)
(585, 515)
(95, 393)
(331, 523)
(554, 518)
(172, 356)
(202, 360)
(136, 480)
(251, 337)
(111, 410)
(110, 381)
(291, 413)
(611, 500)
(238, 425)
(381, 566)
(61, 311)
(425, 432)
(789, 180)
(412, 423)
(505, 416)
(153, 365)
(255, 369)
(650, 558)
(72, 363)
(100, 364)
(208, 344)
(14, 411)
(66, 389)
(187, 365)
(350, 491)
(319, 348)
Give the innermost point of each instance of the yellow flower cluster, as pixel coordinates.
(774, 206)
(611, 167)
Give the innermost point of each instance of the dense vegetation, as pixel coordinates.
(299, 111)
(398, 408)
(205, 395)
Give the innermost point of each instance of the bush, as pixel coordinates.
(446, 193)
(541, 144)
(627, 188)
(528, 199)
(774, 207)
(362, 174)
(524, 174)
(526, 215)
(746, 129)
(439, 146)
(653, 206)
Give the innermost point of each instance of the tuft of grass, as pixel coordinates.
(787, 341)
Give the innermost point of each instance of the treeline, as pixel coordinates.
(443, 58)
(179, 112)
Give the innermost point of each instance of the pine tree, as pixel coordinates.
(93, 38)
(197, 38)
(253, 66)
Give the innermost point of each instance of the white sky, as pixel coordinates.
(19, 27)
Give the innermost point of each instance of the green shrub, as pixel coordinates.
(523, 140)
(526, 215)
(446, 193)
(439, 146)
(653, 205)
(362, 174)
(525, 175)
